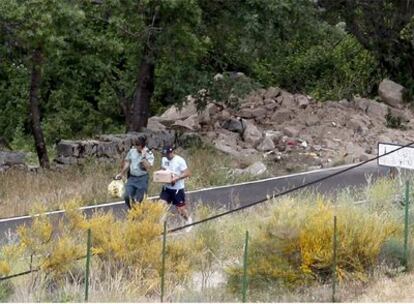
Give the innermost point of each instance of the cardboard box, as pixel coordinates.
(163, 176)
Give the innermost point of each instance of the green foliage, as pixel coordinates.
(92, 53)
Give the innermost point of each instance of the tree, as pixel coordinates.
(38, 29)
(378, 25)
(156, 33)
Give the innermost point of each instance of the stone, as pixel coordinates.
(272, 93)
(155, 125)
(190, 124)
(391, 93)
(266, 145)
(302, 101)
(233, 125)
(256, 113)
(290, 131)
(189, 140)
(281, 115)
(275, 136)
(257, 168)
(8, 158)
(174, 113)
(251, 134)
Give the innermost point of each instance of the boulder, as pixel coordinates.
(290, 131)
(251, 134)
(174, 113)
(233, 125)
(256, 113)
(302, 101)
(154, 124)
(257, 168)
(275, 136)
(391, 93)
(189, 124)
(281, 115)
(189, 139)
(272, 93)
(266, 145)
(8, 158)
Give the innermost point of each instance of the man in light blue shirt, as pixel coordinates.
(138, 161)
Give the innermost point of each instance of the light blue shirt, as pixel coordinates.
(135, 158)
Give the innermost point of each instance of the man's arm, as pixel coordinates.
(124, 169)
(147, 160)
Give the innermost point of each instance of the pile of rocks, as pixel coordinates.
(270, 126)
(279, 126)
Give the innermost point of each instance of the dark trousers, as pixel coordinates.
(135, 189)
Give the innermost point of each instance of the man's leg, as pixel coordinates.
(130, 190)
(179, 202)
(141, 188)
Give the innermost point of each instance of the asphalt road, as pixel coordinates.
(239, 194)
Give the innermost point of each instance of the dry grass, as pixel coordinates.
(20, 190)
(384, 289)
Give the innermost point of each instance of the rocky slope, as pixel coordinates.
(271, 128)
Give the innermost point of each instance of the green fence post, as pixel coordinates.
(407, 202)
(334, 262)
(164, 242)
(88, 257)
(244, 290)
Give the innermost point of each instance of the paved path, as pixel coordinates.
(239, 194)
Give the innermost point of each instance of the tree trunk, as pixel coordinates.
(37, 61)
(142, 96)
(145, 80)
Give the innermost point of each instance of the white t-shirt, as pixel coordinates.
(177, 165)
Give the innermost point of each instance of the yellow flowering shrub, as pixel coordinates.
(295, 244)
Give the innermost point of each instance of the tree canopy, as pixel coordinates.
(77, 68)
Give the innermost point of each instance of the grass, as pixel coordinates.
(211, 250)
(203, 258)
(21, 190)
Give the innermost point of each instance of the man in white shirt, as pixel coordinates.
(173, 193)
(137, 163)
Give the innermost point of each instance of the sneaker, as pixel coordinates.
(189, 221)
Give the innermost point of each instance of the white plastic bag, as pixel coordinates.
(116, 188)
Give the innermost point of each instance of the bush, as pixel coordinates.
(294, 245)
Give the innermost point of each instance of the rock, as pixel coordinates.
(288, 100)
(266, 145)
(357, 125)
(377, 110)
(256, 113)
(403, 115)
(275, 136)
(272, 93)
(302, 101)
(251, 134)
(190, 124)
(255, 169)
(290, 131)
(155, 125)
(233, 125)
(174, 113)
(8, 158)
(206, 115)
(281, 115)
(227, 149)
(311, 120)
(218, 76)
(391, 93)
(67, 148)
(189, 139)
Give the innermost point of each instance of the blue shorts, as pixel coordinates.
(173, 196)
